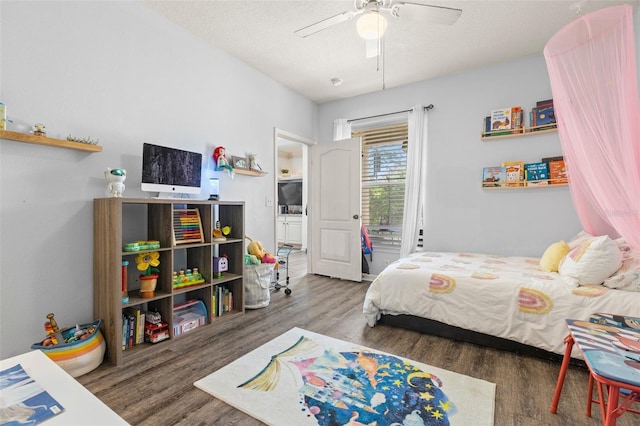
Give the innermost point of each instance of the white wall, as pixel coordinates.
(461, 215)
(117, 72)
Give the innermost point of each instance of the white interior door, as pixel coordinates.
(335, 209)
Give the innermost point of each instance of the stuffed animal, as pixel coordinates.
(255, 248)
(250, 259)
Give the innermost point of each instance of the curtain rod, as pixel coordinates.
(428, 107)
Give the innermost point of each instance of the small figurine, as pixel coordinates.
(54, 336)
(219, 156)
(39, 129)
(218, 232)
(253, 162)
(115, 181)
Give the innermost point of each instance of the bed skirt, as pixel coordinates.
(439, 329)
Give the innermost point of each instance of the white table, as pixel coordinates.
(81, 407)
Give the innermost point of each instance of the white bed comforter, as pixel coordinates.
(508, 297)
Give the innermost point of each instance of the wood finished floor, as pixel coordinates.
(156, 387)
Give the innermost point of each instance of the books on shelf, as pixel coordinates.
(222, 301)
(24, 400)
(511, 121)
(494, 176)
(543, 115)
(548, 171)
(133, 321)
(536, 174)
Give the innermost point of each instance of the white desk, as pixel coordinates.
(81, 407)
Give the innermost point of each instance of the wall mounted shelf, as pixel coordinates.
(525, 131)
(523, 185)
(249, 172)
(43, 140)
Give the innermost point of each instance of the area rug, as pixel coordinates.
(305, 378)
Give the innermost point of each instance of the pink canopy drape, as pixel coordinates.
(592, 68)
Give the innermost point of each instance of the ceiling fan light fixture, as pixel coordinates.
(371, 25)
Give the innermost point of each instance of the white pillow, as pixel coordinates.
(628, 276)
(580, 238)
(591, 262)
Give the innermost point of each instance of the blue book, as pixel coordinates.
(536, 174)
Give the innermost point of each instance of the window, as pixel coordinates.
(384, 164)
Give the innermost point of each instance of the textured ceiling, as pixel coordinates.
(261, 34)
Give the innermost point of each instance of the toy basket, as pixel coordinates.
(79, 357)
(257, 283)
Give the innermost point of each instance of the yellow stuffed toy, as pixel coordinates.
(255, 248)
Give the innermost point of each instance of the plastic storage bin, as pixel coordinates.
(188, 315)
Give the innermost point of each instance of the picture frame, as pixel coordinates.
(239, 163)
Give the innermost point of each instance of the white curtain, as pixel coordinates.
(416, 180)
(341, 129)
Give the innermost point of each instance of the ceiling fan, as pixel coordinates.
(372, 23)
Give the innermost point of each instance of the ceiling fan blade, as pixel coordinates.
(426, 12)
(326, 23)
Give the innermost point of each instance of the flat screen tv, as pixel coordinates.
(290, 193)
(170, 171)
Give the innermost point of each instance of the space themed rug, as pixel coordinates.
(305, 378)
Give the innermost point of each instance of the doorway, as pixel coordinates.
(291, 181)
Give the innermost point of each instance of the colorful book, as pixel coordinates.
(517, 119)
(515, 172)
(501, 119)
(557, 172)
(486, 128)
(24, 400)
(494, 176)
(545, 116)
(536, 174)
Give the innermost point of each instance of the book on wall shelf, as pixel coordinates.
(494, 176)
(515, 172)
(557, 172)
(517, 122)
(501, 121)
(543, 116)
(536, 174)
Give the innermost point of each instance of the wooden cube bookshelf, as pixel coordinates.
(122, 220)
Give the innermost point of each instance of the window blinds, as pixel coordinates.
(384, 163)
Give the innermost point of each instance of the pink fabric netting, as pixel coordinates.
(592, 68)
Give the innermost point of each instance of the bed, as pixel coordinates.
(505, 302)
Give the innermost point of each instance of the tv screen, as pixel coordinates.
(170, 170)
(290, 193)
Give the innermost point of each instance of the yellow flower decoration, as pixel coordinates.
(145, 262)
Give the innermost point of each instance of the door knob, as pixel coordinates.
(355, 216)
